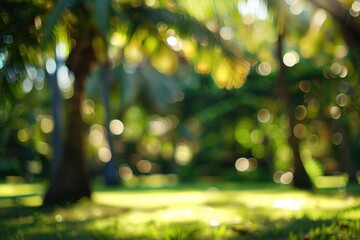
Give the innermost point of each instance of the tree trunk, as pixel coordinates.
(71, 181)
(110, 171)
(56, 112)
(301, 178)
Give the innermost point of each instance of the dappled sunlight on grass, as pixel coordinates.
(194, 212)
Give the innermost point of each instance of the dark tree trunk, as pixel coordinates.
(301, 178)
(110, 171)
(56, 112)
(71, 181)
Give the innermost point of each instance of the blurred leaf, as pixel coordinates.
(102, 12)
(159, 87)
(189, 27)
(129, 85)
(55, 14)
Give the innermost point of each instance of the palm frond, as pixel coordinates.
(55, 14)
(190, 28)
(102, 12)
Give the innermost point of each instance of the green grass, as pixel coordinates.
(224, 211)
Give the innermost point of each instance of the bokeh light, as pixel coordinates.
(242, 164)
(96, 135)
(291, 58)
(183, 154)
(264, 68)
(286, 178)
(264, 115)
(104, 154)
(144, 166)
(47, 124)
(116, 127)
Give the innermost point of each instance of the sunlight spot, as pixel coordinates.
(214, 222)
(291, 58)
(289, 204)
(3, 57)
(183, 154)
(88, 107)
(355, 9)
(344, 72)
(50, 66)
(144, 166)
(252, 10)
(332, 181)
(31, 72)
(356, 6)
(38, 22)
(96, 136)
(58, 218)
(61, 50)
(158, 126)
(277, 175)
(286, 178)
(47, 124)
(134, 53)
(125, 172)
(63, 78)
(172, 41)
(264, 115)
(116, 127)
(319, 17)
(118, 39)
(27, 85)
(213, 26)
(242, 164)
(335, 112)
(264, 69)
(226, 33)
(104, 154)
(297, 8)
(336, 68)
(341, 51)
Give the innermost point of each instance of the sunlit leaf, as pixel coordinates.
(55, 15)
(165, 60)
(188, 27)
(230, 74)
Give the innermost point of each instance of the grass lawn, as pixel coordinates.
(201, 211)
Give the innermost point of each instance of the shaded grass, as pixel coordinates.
(202, 212)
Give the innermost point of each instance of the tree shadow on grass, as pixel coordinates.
(70, 222)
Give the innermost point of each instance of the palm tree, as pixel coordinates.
(71, 180)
